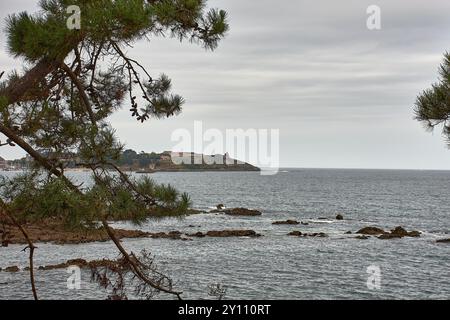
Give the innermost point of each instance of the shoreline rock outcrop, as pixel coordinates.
(73, 262)
(397, 233)
(173, 235)
(53, 232)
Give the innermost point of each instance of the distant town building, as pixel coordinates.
(166, 156)
(3, 164)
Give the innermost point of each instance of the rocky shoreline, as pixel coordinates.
(69, 263)
(51, 231)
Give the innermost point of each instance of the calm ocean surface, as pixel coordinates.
(277, 266)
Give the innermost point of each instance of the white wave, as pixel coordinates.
(320, 221)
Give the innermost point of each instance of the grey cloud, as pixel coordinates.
(341, 95)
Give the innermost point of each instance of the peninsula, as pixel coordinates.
(142, 162)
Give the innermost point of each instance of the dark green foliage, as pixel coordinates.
(65, 116)
(433, 105)
(38, 197)
(46, 35)
(35, 37)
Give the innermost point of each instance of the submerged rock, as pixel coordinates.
(225, 234)
(289, 222)
(320, 235)
(194, 212)
(443, 241)
(242, 212)
(314, 235)
(388, 236)
(362, 237)
(339, 217)
(232, 233)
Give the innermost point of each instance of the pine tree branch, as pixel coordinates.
(18, 88)
(31, 246)
(81, 91)
(151, 201)
(36, 156)
(134, 264)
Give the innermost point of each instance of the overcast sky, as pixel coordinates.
(341, 95)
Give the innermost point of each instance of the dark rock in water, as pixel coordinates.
(220, 206)
(241, 212)
(401, 232)
(443, 241)
(305, 223)
(339, 217)
(314, 235)
(232, 233)
(79, 263)
(398, 233)
(388, 236)
(348, 232)
(371, 231)
(289, 222)
(414, 234)
(5, 243)
(362, 237)
(74, 262)
(174, 235)
(225, 234)
(12, 269)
